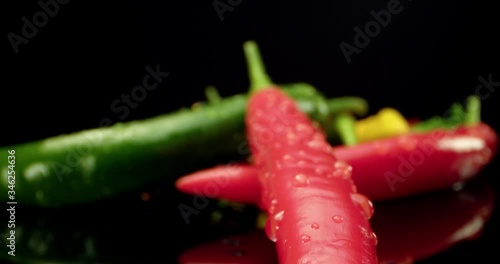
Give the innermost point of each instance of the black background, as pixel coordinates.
(65, 78)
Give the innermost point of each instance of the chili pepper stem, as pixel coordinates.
(359, 105)
(256, 69)
(344, 124)
(212, 95)
(473, 110)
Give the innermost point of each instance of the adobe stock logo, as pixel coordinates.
(30, 28)
(221, 7)
(372, 29)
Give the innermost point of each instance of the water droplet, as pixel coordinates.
(305, 239)
(272, 206)
(374, 238)
(407, 143)
(279, 215)
(315, 226)
(300, 180)
(364, 203)
(291, 136)
(337, 219)
(341, 243)
(304, 129)
(270, 231)
(320, 171)
(340, 164)
(317, 144)
(341, 169)
(287, 157)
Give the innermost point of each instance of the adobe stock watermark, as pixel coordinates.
(30, 27)
(263, 137)
(211, 190)
(80, 158)
(409, 163)
(223, 6)
(372, 29)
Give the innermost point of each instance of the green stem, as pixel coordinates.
(256, 70)
(344, 124)
(356, 105)
(212, 95)
(473, 110)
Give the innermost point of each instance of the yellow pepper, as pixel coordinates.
(388, 122)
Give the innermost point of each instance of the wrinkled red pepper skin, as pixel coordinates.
(419, 162)
(315, 213)
(382, 170)
(408, 230)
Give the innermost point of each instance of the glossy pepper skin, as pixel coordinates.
(390, 168)
(315, 213)
(98, 163)
(420, 162)
(408, 230)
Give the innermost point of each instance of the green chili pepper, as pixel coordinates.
(98, 163)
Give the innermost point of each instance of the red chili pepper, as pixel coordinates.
(315, 213)
(408, 230)
(384, 169)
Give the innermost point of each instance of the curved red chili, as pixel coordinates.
(315, 213)
(385, 169)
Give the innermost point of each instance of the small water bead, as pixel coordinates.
(316, 144)
(304, 128)
(341, 170)
(272, 206)
(315, 226)
(321, 170)
(374, 238)
(337, 219)
(407, 143)
(279, 215)
(271, 231)
(300, 180)
(291, 136)
(341, 243)
(342, 165)
(305, 239)
(364, 203)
